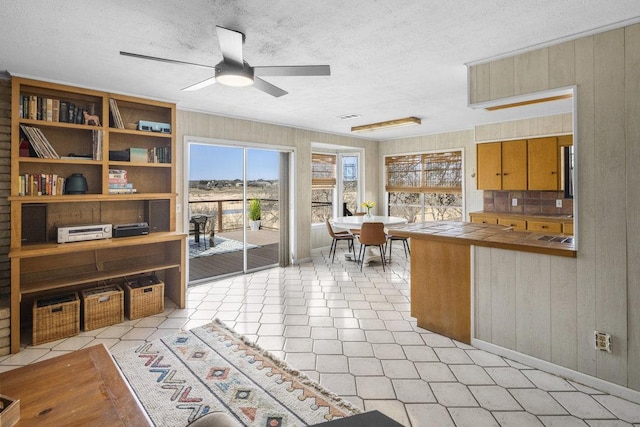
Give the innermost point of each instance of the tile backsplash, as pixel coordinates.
(527, 202)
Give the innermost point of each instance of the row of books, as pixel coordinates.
(119, 182)
(39, 142)
(160, 154)
(41, 184)
(52, 110)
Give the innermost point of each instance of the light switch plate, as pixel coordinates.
(558, 203)
(514, 202)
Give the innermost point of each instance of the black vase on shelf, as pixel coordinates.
(76, 184)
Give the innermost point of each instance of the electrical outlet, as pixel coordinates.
(602, 341)
(558, 203)
(514, 202)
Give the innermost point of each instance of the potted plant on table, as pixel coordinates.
(255, 208)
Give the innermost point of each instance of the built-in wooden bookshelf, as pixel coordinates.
(39, 265)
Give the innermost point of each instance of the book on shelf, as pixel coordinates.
(115, 114)
(97, 136)
(56, 110)
(122, 190)
(120, 185)
(39, 142)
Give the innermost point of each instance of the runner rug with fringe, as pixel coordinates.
(212, 368)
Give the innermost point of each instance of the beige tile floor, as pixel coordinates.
(352, 332)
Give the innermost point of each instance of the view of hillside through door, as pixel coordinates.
(235, 210)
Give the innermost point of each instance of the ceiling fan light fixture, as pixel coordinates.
(234, 76)
(407, 121)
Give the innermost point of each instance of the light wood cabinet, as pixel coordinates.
(514, 165)
(41, 266)
(543, 165)
(532, 164)
(567, 228)
(544, 226)
(516, 224)
(502, 165)
(483, 218)
(521, 222)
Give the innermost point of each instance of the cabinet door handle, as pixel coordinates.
(498, 174)
(553, 173)
(505, 174)
(544, 226)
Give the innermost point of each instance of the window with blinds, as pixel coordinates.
(425, 186)
(424, 173)
(323, 170)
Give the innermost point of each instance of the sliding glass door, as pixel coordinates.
(234, 209)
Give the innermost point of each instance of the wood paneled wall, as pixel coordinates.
(603, 287)
(229, 129)
(536, 126)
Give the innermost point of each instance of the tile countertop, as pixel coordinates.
(488, 235)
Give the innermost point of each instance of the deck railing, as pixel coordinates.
(226, 214)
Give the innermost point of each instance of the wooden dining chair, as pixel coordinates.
(405, 243)
(339, 236)
(372, 234)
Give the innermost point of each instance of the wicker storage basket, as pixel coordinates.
(144, 296)
(102, 306)
(55, 318)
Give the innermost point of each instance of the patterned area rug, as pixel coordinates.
(221, 245)
(211, 368)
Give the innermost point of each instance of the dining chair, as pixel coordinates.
(372, 234)
(338, 236)
(405, 243)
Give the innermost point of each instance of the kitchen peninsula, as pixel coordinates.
(441, 267)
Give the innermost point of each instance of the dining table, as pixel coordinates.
(353, 223)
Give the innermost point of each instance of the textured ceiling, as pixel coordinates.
(388, 59)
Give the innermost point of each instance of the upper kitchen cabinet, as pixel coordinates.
(502, 165)
(543, 164)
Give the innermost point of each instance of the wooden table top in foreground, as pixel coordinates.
(82, 388)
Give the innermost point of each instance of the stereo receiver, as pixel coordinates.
(80, 233)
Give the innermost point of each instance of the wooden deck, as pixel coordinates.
(231, 262)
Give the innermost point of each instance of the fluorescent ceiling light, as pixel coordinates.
(407, 121)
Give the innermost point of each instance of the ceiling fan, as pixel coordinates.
(233, 70)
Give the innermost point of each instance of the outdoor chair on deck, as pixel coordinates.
(199, 224)
(337, 236)
(372, 234)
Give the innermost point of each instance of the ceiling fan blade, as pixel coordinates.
(200, 85)
(258, 83)
(231, 45)
(170, 61)
(293, 70)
